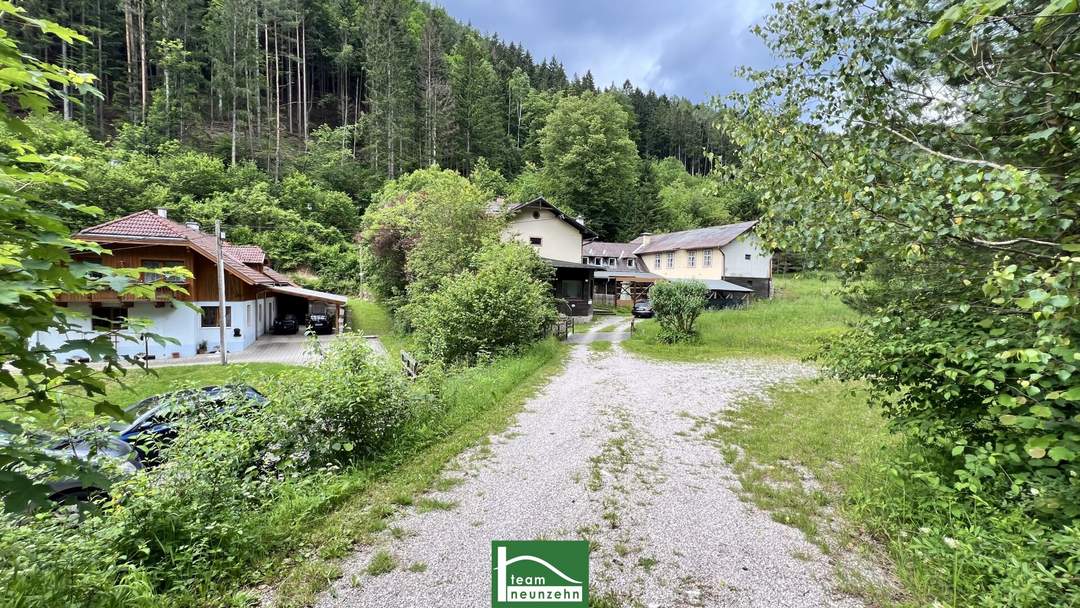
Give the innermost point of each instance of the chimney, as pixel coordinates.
(645, 238)
(193, 225)
(163, 212)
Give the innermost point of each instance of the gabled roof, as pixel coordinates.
(699, 238)
(149, 227)
(500, 206)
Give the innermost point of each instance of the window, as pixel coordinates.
(671, 259)
(210, 316)
(106, 318)
(747, 256)
(584, 260)
(535, 240)
(706, 258)
(611, 262)
(630, 262)
(691, 258)
(657, 267)
(150, 277)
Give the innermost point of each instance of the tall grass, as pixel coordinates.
(374, 319)
(803, 312)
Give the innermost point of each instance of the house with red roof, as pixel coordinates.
(255, 294)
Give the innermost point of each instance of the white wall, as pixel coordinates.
(173, 320)
(759, 266)
(243, 318)
(559, 240)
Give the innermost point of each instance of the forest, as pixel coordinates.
(284, 119)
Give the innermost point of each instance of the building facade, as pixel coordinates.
(255, 294)
(558, 239)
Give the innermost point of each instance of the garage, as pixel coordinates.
(306, 303)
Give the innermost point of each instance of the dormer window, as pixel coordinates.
(611, 262)
(630, 263)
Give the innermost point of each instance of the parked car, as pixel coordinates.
(642, 309)
(157, 418)
(285, 325)
(321, 324)
(109, 455)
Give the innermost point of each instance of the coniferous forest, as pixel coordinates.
(284, 118)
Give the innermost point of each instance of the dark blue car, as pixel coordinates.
(157, 418)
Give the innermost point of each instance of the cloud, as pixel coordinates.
(688, 47)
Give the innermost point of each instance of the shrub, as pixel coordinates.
(677, 305)
(351, 404)
(504, 305)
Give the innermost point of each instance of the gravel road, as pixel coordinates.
(606, 452)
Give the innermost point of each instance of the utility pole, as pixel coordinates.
(221, 292)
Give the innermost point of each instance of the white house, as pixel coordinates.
(255, 293)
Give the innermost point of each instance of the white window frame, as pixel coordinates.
(671, 259)
(706, 258)
(612, 263)
(630, 263)
(657, 262)
(691, 258)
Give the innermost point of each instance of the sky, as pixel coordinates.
(683, 47)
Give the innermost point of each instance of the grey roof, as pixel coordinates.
(718, 285)
(638, 276)
(565, 264)
(699, 238)
(609, 250)
(501, 206)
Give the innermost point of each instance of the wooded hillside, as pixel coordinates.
(407, 85)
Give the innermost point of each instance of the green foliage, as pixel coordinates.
(590, 162)
(244, 485)
(422, 227)
(504, 305)
(677, 305)
(37, 257)
(947, 195)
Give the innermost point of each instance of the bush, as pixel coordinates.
(677, 305)
(504, 305)
(351, 404)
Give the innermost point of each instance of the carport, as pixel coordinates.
(303, 302)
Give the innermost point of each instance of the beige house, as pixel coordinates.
(557, 238)
(730, 259)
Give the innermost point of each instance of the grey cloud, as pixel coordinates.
(689, 48)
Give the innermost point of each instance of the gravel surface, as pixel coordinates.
(606, 452)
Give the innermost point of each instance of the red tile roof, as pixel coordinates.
(149, 226)
(248, 254)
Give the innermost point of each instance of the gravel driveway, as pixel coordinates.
(606, 452)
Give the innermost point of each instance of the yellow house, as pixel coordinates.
(557, 238)
(729, 258)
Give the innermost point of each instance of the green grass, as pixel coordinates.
(600, 346)
(803, 312)
(805, 454)
(381, 563)
(478, 402)
(373, 319)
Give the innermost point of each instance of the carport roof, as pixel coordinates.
(309, 294)
(718, 285)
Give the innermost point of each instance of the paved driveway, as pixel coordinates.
(292, 350)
